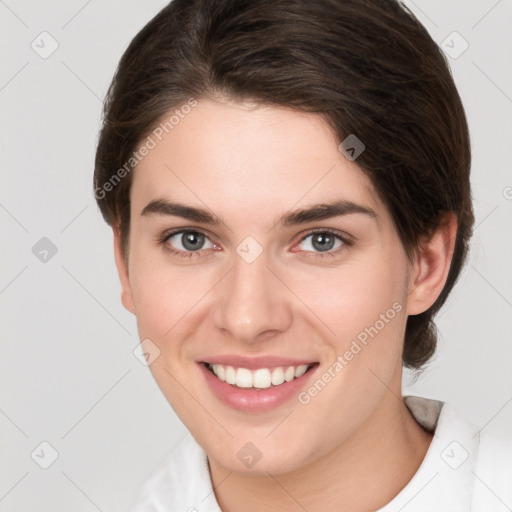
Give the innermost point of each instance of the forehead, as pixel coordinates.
(247, 158)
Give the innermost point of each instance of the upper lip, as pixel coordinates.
(254, 363)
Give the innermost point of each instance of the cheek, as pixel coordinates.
(169, 298)
(352, 297)
(360, 309)
(362, 313)
(164, 296)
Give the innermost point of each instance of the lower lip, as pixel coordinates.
(254, 400)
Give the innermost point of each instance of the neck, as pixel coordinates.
(363, 473)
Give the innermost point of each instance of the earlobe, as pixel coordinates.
(431, 267)
(123, 272)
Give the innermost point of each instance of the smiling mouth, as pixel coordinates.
(262, 378)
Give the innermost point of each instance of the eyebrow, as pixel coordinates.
(313, 213)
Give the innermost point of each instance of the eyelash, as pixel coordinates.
(347, 242)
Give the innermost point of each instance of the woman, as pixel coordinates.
(288, 187)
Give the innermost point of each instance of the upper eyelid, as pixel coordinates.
(173, 232)
(336, 232)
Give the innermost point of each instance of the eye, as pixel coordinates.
(187, 241)
(322, 242)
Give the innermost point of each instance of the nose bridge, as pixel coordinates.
(253, 302)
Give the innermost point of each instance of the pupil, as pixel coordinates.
(323, 242)
(192, 241)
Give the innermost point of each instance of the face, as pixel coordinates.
(269, 275)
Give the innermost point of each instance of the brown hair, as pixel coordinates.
(367, 66)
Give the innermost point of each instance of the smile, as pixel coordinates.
(261, 378)
(256, 384)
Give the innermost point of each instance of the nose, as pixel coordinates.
(253, 304)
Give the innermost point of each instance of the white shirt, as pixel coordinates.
(464, 470)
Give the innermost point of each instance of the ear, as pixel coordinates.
(431, 265)
(122, 270)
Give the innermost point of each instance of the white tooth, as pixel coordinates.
(230, 375)
(301, 370)
(289, 374)
(277, 376)
(219, 370)
(244, 378)
(261, 378)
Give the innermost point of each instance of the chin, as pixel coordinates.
(260, 456)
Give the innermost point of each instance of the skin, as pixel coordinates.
(355, 443)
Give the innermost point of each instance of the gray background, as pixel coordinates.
(68, 374)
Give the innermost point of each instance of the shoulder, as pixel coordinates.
(180, 482)
(491, 467)
(493, 474)
(465, 469)
(483, 462)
